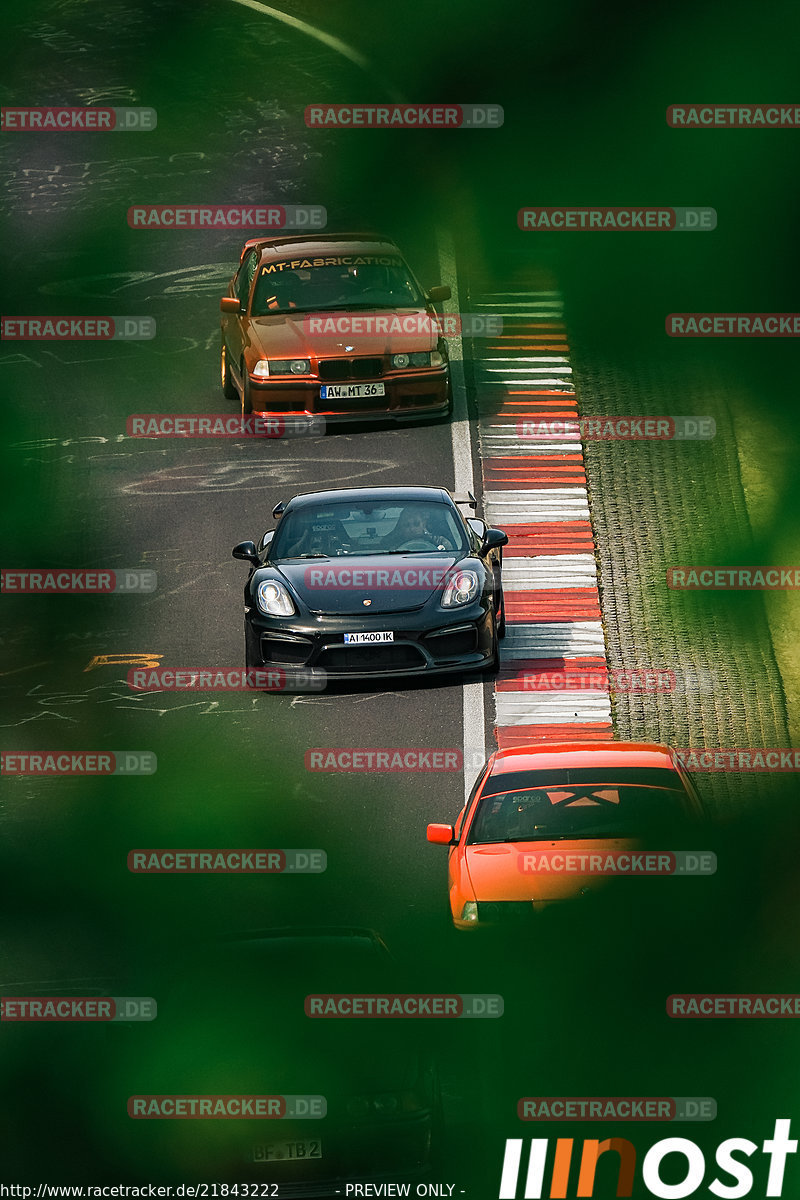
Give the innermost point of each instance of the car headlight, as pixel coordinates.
(461, 589)
(420, 358)
(470, 911)
(273, 598)
(282, 366)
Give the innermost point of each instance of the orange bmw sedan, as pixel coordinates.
(543, 821)
(333, 326)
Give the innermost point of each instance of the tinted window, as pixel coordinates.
(246, 273)
(335, 282)
(577, 811)
(380, 528)
(509, 780)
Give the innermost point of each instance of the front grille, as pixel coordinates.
(370, 658)
(337, 369)
(453, 645)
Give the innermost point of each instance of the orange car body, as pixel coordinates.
(363, 350)
(484, 874)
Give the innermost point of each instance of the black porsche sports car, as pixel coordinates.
(374, 581)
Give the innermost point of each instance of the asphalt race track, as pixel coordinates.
(594, 524)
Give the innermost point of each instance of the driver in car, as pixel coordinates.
(412, 528)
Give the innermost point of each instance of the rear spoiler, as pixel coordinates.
(469, 499)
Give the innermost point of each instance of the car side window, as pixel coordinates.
(245, 278)
(460, 819)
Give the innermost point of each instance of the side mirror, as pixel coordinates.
(441, 835)
(439, 293)
(246, 551)
(492, 539)
(229, 304)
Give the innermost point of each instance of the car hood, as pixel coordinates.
(343, 334)
(392, 582)
(495, 874)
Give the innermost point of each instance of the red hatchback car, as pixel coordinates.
(333, 326)
(564, 801)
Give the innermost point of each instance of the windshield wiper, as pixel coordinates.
(366, 308)
(540, 837)
(435, 550)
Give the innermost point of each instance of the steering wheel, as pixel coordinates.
(417, 544)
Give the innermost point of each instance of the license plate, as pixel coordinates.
(367, 639)
(287, 1151)
(350, 391)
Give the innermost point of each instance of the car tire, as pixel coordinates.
(228, 387)
(252, 658)
(493, 665)
(501, 606)
(247, 400)
(449, 413)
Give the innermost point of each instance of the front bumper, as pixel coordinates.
(459, 641)
(408, 394)
(394, 1152)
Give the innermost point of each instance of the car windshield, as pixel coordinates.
(341, 282)
(327, 531)
(607, 804)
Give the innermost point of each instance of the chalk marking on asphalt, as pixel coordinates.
(474, 719)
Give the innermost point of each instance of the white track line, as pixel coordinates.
(475, 752)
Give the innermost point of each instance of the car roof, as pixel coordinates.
(560, 755)
(307, 245)
(403, 494)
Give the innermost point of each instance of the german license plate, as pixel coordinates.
(350, 391)
(367, 639)
(288, 1151)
